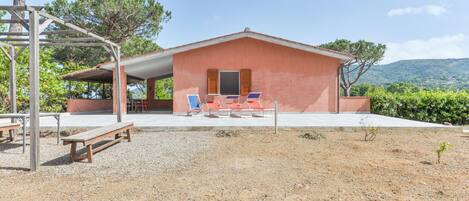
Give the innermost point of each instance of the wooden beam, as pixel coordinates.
(20, 18)
(62, 44)
(59, 40)
(20, 51)
(6, 53)
(34, 89)
(74, 27)
(44, 25)
(10, 21)
(56, 32)
(21, 8)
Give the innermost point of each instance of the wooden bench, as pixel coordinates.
(91, 137)
(9, 127)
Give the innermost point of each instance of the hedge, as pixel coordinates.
(424, 105)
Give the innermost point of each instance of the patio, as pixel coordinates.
(169, 121)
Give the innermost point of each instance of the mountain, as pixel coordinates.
(434, 73)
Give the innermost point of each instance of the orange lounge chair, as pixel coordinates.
(254, 102)
(214, 106)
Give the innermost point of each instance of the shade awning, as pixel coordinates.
(96, 75)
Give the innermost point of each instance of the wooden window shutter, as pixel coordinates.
(245, 81)
(212, 81)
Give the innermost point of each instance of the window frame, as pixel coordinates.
(229, 71)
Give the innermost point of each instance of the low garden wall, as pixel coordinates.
(160, 104)
(354, 104)
(88, 105)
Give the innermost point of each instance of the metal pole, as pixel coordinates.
(338, 90)
(275, 116)
(34, 89)
(57, 117)
(118, 82)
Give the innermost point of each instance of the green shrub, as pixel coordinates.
(423, 105)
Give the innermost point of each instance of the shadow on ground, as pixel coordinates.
(65, 159)
(8, 145)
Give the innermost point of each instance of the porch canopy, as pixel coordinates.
(96, 75)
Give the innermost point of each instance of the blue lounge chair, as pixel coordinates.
(195, 106)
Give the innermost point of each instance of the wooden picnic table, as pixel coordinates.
(23, 117)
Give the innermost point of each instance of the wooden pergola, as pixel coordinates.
(36, 35)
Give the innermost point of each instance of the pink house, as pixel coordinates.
(300, 77)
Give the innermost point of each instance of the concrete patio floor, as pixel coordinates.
(284, 120)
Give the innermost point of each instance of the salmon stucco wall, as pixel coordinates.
(300, 81)
(88, 105)
(355, 104)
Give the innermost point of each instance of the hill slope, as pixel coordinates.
(435, 73)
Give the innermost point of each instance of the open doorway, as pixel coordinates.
(155, 95)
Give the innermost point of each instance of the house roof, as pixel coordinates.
(159, 63)
(230, 37)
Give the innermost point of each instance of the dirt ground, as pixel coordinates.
(258, 165)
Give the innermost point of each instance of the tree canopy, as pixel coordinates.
(366, 54)
(126, 22)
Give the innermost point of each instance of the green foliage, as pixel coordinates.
(424, 105)
(164, 89)
(443, 147)
(137, 45)
(121, 21)
(402, 88)
(366, 54)
(428, 73)
(52, 90)
(3, 26)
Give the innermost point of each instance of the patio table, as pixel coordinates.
(24, 118)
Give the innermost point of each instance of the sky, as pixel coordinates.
(411, 29)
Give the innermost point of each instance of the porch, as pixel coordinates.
(285, 120)
(151, 95)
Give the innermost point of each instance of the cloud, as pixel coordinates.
(212, 20)
(434, 10)
(449, 46)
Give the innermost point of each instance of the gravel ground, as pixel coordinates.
(249, 165)
(148, 152)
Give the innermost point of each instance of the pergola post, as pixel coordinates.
(118, 82)
(34, 88)
(13, 82)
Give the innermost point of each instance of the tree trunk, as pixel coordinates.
(347, 91)
(16, 27)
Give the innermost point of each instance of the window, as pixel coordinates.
(229, 83)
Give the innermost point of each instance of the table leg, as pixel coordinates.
(24, 134)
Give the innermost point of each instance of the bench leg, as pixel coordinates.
(89, 153)
(1, 134)
(12, 135)
(128, 135)
(73, 151)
